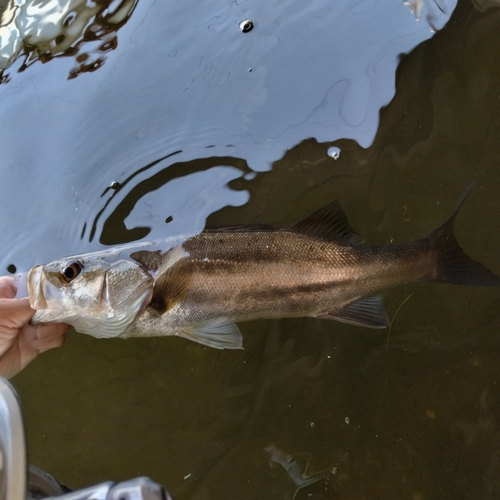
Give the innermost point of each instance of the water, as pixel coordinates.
(413, 414)
(152, 111)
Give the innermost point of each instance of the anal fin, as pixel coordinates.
(368, 312)
(219, 334)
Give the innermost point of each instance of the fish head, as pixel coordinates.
(94, 296)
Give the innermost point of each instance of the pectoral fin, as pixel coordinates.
(368, 312)
(149, 260)
(173, 280)
(219, 334)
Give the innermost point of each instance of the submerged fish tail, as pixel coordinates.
(453, 264)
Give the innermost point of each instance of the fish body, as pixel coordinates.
(199, 286)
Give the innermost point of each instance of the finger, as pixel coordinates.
(49, 336)
(7, 288)
(51, 330)
(14, 313)
(48, 343)
(19, 354)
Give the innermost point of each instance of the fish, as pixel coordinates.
(199, 286)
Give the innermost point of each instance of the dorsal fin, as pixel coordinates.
(329, 222)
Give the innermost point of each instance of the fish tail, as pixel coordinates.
(453, 264)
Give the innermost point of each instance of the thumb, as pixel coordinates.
(14, 313)
(7, 288)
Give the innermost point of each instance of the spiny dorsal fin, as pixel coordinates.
(149, 260)
(368, 312)
(329, 222)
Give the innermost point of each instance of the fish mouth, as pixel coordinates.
(35, 290)
(44, 297)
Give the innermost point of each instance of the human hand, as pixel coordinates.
(20, 343)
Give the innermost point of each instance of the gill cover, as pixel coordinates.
(101, 299)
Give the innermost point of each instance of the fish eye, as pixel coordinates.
(71, 270)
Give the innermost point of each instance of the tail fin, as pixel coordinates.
(453, 265)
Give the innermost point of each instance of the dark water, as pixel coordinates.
(411, 415)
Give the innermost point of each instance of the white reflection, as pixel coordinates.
(210, 193)
(42, 30)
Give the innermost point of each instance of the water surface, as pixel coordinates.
(179, 85)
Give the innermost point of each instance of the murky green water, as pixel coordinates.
(412, 415)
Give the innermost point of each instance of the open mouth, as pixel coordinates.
(44, 297)
(35, 289)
